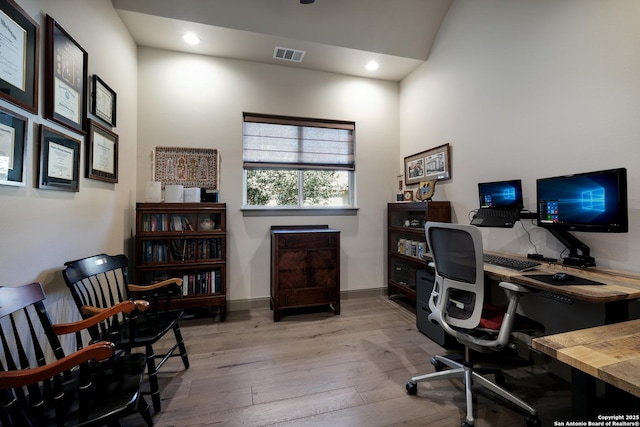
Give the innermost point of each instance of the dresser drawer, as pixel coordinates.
(308, 240)
(308, 296)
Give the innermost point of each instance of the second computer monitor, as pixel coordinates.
(501, 194)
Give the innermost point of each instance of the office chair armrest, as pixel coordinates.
(144, 288)
(504, 334)
(514, 287)
(24, 377)
(98, 315)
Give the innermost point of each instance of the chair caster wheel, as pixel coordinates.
(439, 366)
(412, 388)
(466, 424)
(533, 421)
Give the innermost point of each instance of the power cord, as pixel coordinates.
(529, 237)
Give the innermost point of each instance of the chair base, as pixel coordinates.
(463, 370)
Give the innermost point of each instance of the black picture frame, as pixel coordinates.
(432, 164)
(59, 161)
(13, 145)
(101, 153)
(65, 78)
(103, 101)
(19, 75)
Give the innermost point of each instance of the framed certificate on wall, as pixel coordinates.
(65, 79)
(19, 53)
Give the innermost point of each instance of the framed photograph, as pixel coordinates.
(433, 164)
(13, 143)
(102, 153)
(65, 78)
(103, 103)
(19, 58)
(58, 168)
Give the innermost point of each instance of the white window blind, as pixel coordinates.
(275, 142)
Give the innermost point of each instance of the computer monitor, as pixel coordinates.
(501, 194)
(591, 202)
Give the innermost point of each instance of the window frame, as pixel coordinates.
(300, 207)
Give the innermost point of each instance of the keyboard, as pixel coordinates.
(500, 213)
(513, 264)
(489, 217)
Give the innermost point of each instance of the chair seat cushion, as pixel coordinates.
(149, 328)
(492, 316)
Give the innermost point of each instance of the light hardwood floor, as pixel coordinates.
(317, 369)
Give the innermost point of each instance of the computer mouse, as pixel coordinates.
(561, 277)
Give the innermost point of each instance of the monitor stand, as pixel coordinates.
(575, 245)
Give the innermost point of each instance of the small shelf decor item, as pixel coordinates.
(189, 167)
(59, 164)
(103, 102)
(426, 190)
(13, 142)
(65, 78)
(102, 153)
(19, 44)
(433, 164)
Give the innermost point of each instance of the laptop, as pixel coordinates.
(500, 204)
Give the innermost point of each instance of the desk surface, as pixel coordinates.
(610, 353)
(619, 285)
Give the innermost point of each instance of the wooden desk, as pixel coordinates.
(620, 287)
(610, 353)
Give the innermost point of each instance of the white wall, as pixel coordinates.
(188, 100)
(520, 90)
(532, 89)
(41, 229)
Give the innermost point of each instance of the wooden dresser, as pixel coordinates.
(305, 268)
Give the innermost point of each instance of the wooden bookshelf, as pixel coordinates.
(186, 240)
(406, 243)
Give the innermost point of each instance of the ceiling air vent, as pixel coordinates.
(287, 54)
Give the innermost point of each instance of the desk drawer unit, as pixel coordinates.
(305, 268)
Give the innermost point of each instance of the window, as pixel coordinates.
(294, 162)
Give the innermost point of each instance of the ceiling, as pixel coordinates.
(339, 36)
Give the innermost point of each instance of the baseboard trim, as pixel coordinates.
(256, 303)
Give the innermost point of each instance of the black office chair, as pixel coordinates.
(100, 281)
(457, 304)
(40, 385)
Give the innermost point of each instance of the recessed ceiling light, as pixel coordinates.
(372, 66)
(191, 38)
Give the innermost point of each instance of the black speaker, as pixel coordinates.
(207, 195)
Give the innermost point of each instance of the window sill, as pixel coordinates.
(296, 211)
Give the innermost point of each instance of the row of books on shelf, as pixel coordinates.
(181, 250)
(166, 222)
(202, 283)
(205, 282)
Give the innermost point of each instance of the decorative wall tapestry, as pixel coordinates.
(189, 167)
